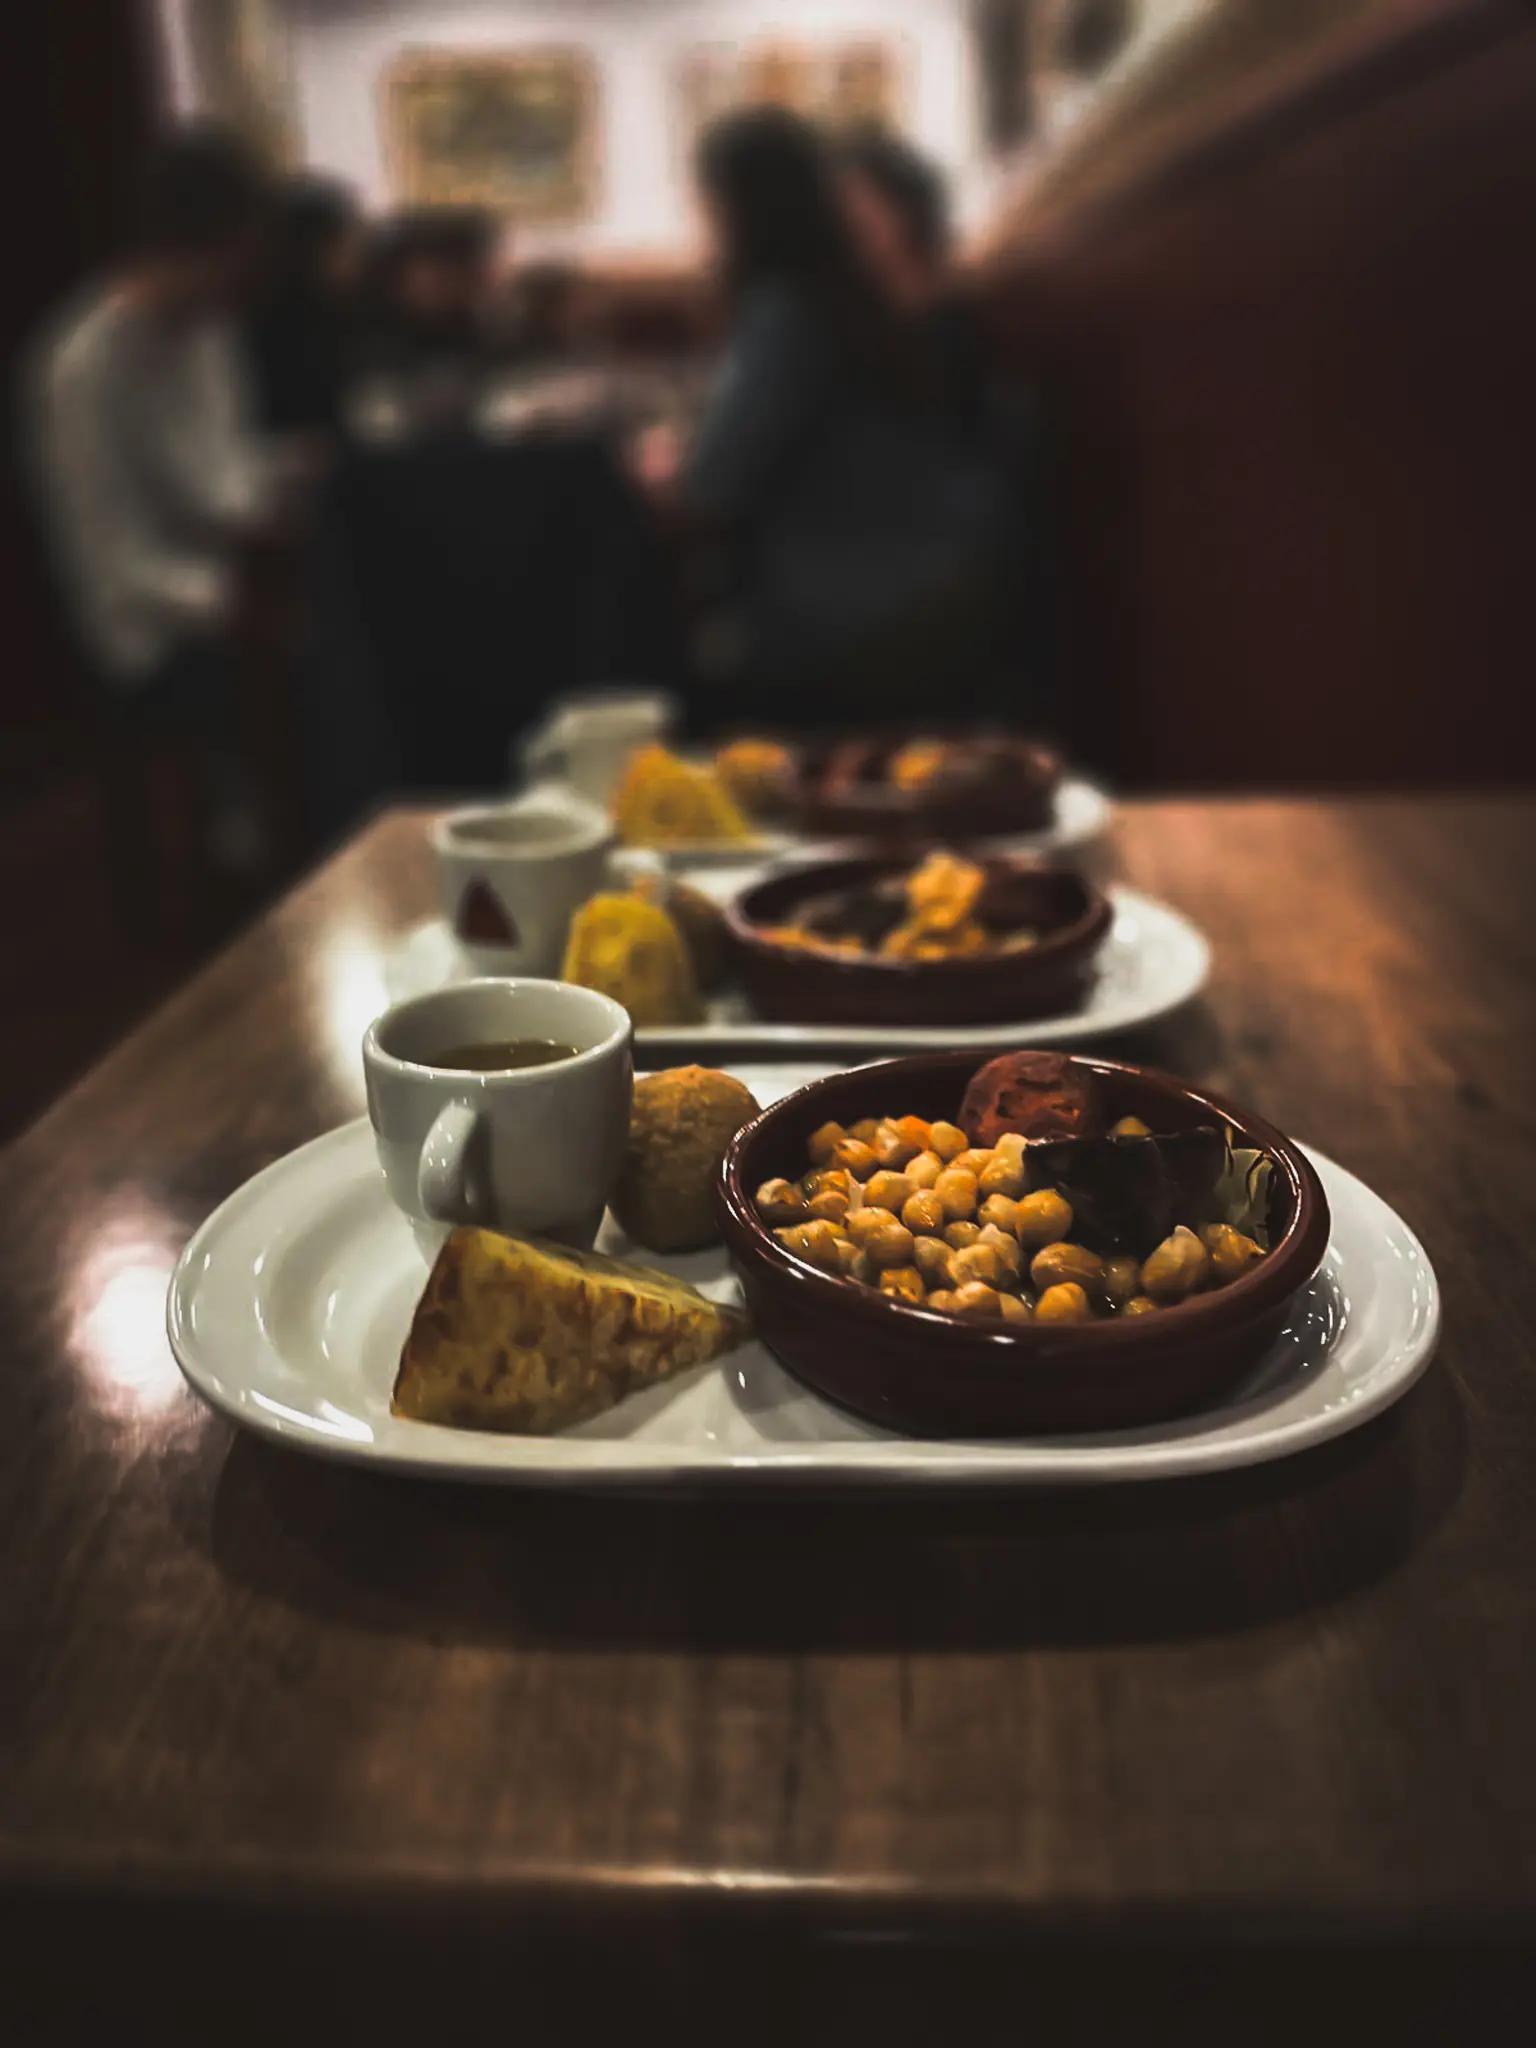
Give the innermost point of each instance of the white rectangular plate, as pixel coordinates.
(1152, 960)
(288, 1309)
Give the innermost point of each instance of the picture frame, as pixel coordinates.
(513, 131)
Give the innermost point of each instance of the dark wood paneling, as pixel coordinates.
(1299, 412)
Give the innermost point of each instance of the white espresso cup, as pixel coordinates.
(586, 743)
(516, 1149)
(510, 876)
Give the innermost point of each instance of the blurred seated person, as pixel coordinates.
(300, 328)
(857, 534)
(897, 202)
(425, 304)
(151, 477)
(898, 206)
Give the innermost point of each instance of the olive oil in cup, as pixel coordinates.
(503, 1103)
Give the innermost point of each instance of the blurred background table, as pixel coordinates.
(269, 1724)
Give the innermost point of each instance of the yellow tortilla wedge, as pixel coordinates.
(519, 1334)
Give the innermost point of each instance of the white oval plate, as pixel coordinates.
(288, 1309)
(1083, 812)
(1152, 960)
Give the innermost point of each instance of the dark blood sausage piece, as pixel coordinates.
(848, 765)
(1038, 1094)
(1128, 1193)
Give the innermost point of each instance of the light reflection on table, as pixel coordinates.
(349, 991)
(115, 1296)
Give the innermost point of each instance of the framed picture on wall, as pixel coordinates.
(863, 87)
(842, 84)
(516, 131)
(779, 74)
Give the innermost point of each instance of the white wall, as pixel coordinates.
(341, 48)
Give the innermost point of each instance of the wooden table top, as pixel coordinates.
(1292, 1698)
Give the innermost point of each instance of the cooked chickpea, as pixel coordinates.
(891, 1148)
(956, 1189)
(1062, 1263)
(974, 1159)
(816, 1242)
(978, 1303)
(855, 1158)
(863, 1223)
(925, 1169)
(890, 1246)
(864, 1130)
(941, 1299)
(948, 1140)
(1231, 1253)
(914, 1130)
(905, 1282)
(1015, 1308)
(1065, 1303)
(959, 1234)
(931, 1256)
(1139, 1305)
(780, 1201)
(1176, 1268)
(887, 1190)
(851, 1261)
(831, 1204)
(826, 1177)
(1007, 1249)
(1130, 1127)
(1011, 1146)
(923, 1214)
(977, 1262)
(1122, 1278)
(1044, 1217)
(1001, 1176)
(998, 1212)
(824, 1141)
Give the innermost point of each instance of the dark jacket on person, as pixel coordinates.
(298, 348)
(860, 516)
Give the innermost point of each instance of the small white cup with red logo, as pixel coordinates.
(510, 876)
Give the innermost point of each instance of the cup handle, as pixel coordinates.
(442, 1177)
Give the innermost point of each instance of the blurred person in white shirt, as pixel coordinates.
(150, 472)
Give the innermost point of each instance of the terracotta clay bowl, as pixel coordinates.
(926, 1374)
(799, 984)
(841, 791)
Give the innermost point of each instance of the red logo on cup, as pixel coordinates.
(483, 920)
